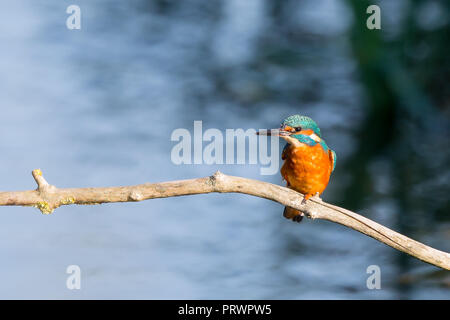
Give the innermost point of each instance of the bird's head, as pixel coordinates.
(297, 124)
(293, 127)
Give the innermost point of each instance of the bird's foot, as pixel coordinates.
(298, 218)
(306, 197)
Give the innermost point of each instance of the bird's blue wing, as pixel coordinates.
(333, 156)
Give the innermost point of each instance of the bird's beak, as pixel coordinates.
(281, 132)
(284, 132)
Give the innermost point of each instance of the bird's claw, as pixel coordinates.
(316, 196)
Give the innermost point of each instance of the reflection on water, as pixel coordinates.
(96, 107)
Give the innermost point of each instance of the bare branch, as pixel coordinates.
(47, 198)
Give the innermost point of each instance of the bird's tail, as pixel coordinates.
(294, 214)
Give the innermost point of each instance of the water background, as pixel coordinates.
(96, 107)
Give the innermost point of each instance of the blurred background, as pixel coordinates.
(96, 107)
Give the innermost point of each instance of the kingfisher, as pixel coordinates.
(308, 162)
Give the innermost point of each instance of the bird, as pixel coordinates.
(308, 161)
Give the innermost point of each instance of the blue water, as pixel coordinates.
(96, 107)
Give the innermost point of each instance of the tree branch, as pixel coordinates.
(47, 198)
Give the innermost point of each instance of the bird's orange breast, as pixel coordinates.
(307, 169)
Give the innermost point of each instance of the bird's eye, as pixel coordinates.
(297, 129)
